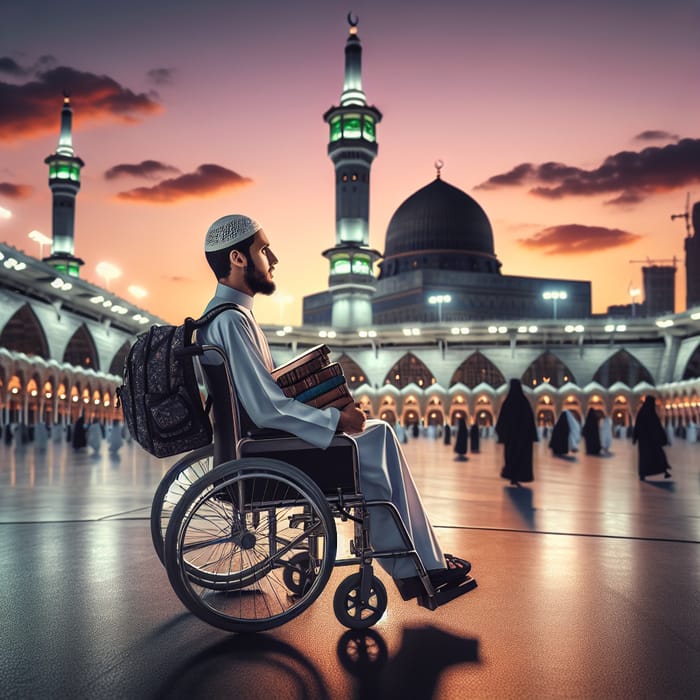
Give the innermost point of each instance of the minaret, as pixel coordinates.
(64, 181)
(352, 148)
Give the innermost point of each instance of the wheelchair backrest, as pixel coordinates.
(226, 410)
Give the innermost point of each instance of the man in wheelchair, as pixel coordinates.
(238, 251)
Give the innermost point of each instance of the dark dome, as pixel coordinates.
(439, 217)
(439, 227)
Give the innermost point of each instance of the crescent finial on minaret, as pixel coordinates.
(438, 166)
(353, 23)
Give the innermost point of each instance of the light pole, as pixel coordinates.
(554, 296)
(439, 300)
(108, 272)
(41, 239)
(634, 293)
(136, 291)
(283, 300)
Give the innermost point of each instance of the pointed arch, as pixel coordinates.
(478, 369)
(118, 361)
(409, 370)
(354, 374)
(23, 333)
(547, 369)
(80, 351)
(622, 367)
(692, 369)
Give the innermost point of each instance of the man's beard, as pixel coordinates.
(257, 281)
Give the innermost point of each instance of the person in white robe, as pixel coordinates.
(94, 435)
(41, 436)
(239, 254)
(115, 439)
(605, 430)
(58, 432)
(574, 431)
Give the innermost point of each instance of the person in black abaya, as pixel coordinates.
(559, 442)
(517, 431)
(461, 439)
(79, 437)
(591, 432)
(650, 438)
(447, 434)
(474, 438)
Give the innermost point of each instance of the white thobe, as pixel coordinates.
(606, 433)
(574, 431)
(384, 473)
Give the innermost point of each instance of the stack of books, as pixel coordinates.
(313, 379)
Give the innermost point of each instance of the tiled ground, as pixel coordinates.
(589, 587)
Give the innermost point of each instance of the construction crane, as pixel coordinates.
(649, 261)
(685, 215)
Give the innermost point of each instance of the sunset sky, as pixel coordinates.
(575, 125)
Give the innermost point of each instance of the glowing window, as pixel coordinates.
(368, 128)
(340, 266)
(361, 265)
(336, 130)
(351, 126)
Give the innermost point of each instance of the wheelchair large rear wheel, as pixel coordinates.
(169, 492)
(235, 535)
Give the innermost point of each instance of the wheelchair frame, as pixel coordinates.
(226, 519)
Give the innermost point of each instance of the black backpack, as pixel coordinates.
(160, 397)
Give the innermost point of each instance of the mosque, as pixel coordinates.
(434, 336)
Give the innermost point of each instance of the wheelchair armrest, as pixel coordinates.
(266, 433)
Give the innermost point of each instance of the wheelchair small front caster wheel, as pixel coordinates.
(349, 607)
(298, 575)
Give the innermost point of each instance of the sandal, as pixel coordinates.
(454, 573)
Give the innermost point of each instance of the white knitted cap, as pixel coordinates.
(229, 230)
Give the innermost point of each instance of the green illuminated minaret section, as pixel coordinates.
(352, 148)
(64, 181)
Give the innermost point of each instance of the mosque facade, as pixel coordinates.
(63, 341)
(448, 330)
(435, 336)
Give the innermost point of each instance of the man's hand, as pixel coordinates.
(352, 420)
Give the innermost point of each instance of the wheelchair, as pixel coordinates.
(246, 526)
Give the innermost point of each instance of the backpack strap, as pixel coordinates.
(210, 315)
(192, 324)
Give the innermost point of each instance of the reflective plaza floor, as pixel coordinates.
(589, 587)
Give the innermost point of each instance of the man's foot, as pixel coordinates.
(456, 571)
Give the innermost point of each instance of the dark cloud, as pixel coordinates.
(575, 239)
(150, 169)
(11, 67)
(161, 76)
(7, 189)
(519, 174)
(656, 135)
(207, 179)
(631, 176)
(33, 108)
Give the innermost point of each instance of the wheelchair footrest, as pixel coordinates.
(445, 594)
